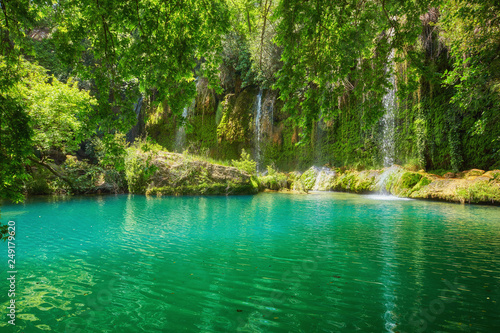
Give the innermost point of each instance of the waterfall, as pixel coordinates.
(135, 131)
(271, 114)
(324, 179)
(388, 120)
(383, 180)
(319, 157)
(264, 122)
(137, 107)
(180, 136)
(258, 131)
(384, 177)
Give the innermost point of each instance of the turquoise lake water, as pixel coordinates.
(323, 262)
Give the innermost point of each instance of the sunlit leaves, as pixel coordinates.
(60, 114)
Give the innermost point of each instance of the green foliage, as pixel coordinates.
(271, 171)
(424, 181)
(274, 180)
(235, 71)
(150, 44)
(139, 167)
(43, 53)
(219, 113)
(229, 128)
(60, 114)
(15, 133)
(353, 181)
(479, 192)
(250, 55)
(15, 147)
(406, 183)
(110, 151)
(496, 175)
(331, 60)
(336, 48)
(309, 178)
(410, 179)
(40, 183)
(246, 163)
(84, 176)
(472, 35)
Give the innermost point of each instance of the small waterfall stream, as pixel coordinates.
(134, 132)
(180, 136)
(264, 122)
(388, 120)
(138, 106)
(258, 130)
(383, 180)
(323, 179)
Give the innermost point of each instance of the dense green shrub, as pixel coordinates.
(139, 166)
(274, 180)
(481, 191)
(246, 163)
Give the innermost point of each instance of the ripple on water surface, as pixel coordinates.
(325, 262)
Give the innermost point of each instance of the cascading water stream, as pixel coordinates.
(324, 179)
(258, 130)
(180, 136)
(388, 120)
(137, 107)
(134, 132)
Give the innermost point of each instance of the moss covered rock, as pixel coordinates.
(178, 174)
(480, 188)
(236, 121)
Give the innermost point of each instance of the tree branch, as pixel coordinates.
(53, 171)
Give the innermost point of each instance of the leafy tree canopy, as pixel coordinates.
(150, 44)
(331, 48)
(60, 114)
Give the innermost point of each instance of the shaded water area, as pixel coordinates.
(324, 262)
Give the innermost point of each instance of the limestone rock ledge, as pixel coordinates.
(178, 174)
(473, 186)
